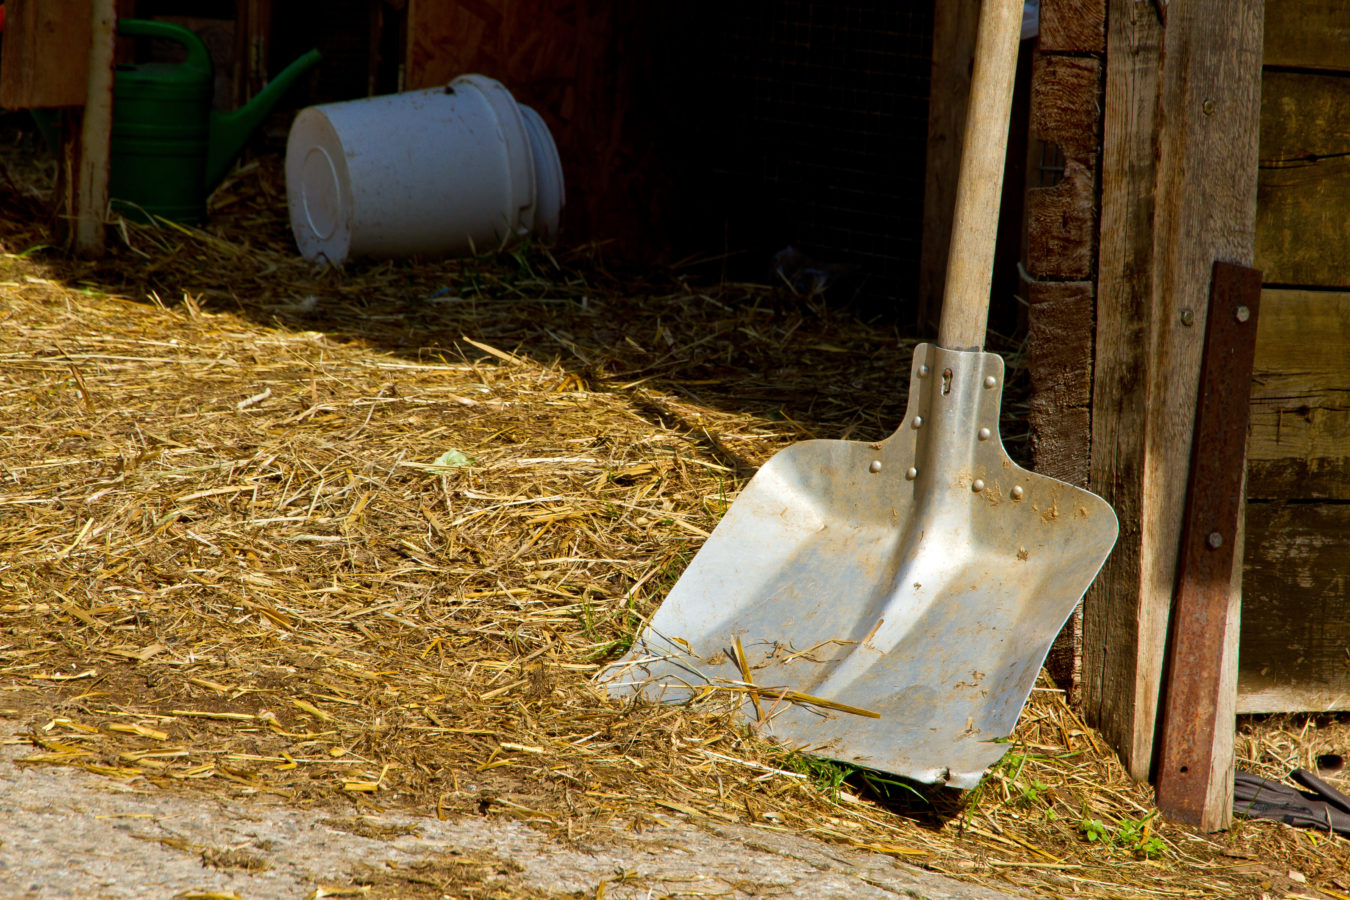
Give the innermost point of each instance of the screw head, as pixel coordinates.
(1215, 540)
(984, 434)
(1242, 314)
(1016, 492)
(1188, 317)
(918, 422)
(911, 473)
(990, 381)
(875, 467)
(977, 485)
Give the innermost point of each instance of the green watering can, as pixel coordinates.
(169, 148)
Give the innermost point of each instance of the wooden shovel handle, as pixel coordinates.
(970, 265)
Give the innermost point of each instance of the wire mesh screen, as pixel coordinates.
(822, 119)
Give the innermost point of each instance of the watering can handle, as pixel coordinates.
(197, 55)
(970, 262)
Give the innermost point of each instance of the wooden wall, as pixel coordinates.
(1295, 652)
(1295, 635)
(587, 69)
(1061, 256)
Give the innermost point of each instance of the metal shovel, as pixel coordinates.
(890, 604)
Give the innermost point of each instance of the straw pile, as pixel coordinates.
(363, 539)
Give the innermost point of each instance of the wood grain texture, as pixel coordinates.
(1211, 90)
(1300, 437)
(91, 190)
(46, 50)
(1111, 608)
(979, 186)
(1303, 231)
(1062, 224)
(954, 27)
(1059, 359)
(1169, 114)
(1073, 26)
(1062, 220)
(1295, 608)
(1065, 100)
(1312, 34)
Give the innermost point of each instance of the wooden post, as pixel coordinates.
(1061, 255)
(1178, 192)
(91, 189)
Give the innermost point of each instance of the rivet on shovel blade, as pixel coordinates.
(918, 421)
(1215, 540)
(990, 381)
(1016, 492)
(911, 473)
(984, 434)
(978, 485)
(875, 467)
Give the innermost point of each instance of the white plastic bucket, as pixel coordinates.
(447, 170)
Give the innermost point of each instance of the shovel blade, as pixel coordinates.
(888, 604)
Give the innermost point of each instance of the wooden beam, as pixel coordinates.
(1302, 230)
(91, 190)
(1300, 441)
(1178, 192)
(1073, 26)
(954, 26)
(1062, 219)
(1310, 34)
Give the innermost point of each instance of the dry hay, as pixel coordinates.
(364, 538)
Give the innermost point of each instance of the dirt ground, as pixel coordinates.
(71, 834)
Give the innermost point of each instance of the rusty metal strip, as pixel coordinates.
(1193, 784)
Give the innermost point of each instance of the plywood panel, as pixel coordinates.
(1300, 437)
(1302, 229)
(1312, 34)
(46, 48)
(1295, 652)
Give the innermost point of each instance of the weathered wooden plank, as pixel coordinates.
(1065, 104)
(1059, 360)
(1300, 439)
(45, 62)
(1062, 219)
(1119, 397)
(1061, 224)
(1073, 26)
(1313, 34)
(1303, 234)
(1162, 229)
(1295, 608)
(954, 27)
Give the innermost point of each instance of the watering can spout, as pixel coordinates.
(230, 131)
